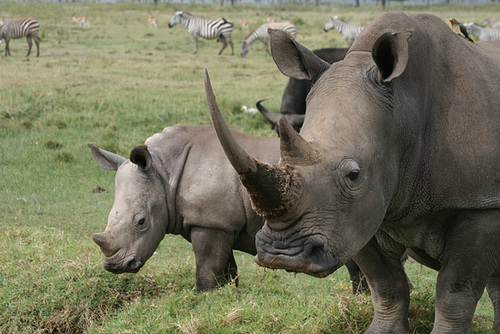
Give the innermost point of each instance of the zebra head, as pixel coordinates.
(245, 48)
(329, 24)
(176, 18)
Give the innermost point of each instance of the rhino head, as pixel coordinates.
(328, 195)
(136, 223)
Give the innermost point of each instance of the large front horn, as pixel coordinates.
(273, 189)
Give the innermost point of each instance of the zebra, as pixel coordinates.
(494, 23)
(349, 31)
(218, 28)
(17, 28)
(482, 33)
(262, 34)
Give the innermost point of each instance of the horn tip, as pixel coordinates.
(206, 76)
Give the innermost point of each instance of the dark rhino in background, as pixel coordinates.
(293, 102)
(402, 137)
(172, 185)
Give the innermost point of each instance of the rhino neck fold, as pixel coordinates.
(172, 170)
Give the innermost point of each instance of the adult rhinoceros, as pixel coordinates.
(171, 185)
(403, 136)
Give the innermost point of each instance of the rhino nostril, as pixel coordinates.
(316, 254)
(316, 249)
(134, 265)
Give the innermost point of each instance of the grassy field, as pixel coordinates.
(116, 84)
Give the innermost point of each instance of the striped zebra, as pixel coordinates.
(494, 23)
(218, 28)
(17, 28)
(349, 31)
(482, 33)
(262, 34)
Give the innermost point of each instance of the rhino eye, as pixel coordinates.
(350, 169)
(140, 222)
(353, 175)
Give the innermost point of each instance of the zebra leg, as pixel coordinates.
(195, 37)
(224, 44)
(37, 42)
(232, 47)
(7, 50)
(30, 44)
(266, 47)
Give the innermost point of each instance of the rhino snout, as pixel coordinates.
(131, 264)
(307, 254)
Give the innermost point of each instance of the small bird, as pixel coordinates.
(460, 29)
(249, 110)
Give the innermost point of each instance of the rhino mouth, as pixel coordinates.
(305, 255)
(129, 264)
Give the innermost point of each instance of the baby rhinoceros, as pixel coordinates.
(180, 182)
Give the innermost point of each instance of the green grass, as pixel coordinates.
(116, 84)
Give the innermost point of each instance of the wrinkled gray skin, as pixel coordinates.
(402, 137)
(293, 102)
(171, 185)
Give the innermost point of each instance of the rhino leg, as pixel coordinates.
(493, 288)
(358, 280)
(389, 288)
(232, 270)
(466, 269)
(215, 264)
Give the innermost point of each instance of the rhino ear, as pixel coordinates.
(295, 150)
(141, 157)
(293, 59)
(105, 159)
(390, 53)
